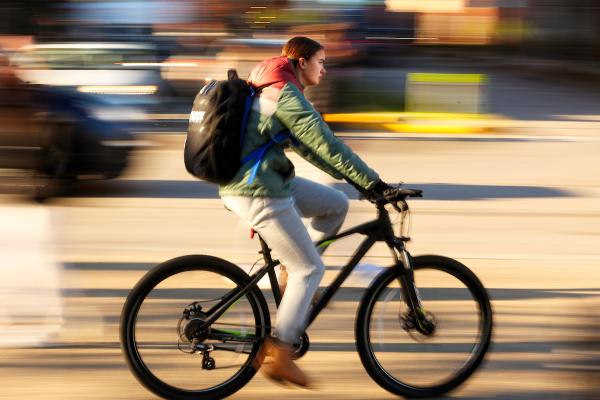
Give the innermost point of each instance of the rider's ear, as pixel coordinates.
(302, 62)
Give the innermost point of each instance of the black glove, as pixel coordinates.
(377, 191)
(380, 187)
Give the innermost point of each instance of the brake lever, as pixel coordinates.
(400, 205)
(372, 200)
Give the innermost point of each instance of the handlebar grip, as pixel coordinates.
(391, 195)
(397, 194)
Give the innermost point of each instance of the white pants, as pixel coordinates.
(278, 221)
(30, 302)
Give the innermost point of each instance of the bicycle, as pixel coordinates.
(211, 318)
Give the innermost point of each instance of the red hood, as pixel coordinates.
(276, 71)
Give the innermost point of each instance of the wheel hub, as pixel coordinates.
(424, 323)
(194, 330)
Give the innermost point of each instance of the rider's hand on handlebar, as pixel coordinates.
(389, 194)
(400, 193)
(376, 192)
(381, 187)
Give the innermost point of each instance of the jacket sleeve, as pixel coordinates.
(312, 158)
(324, 149)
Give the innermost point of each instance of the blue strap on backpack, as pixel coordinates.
(247, 107)
(259, 154)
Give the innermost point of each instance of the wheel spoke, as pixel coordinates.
(166, 340)
(429, 359)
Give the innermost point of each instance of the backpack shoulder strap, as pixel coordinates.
(247, 107)
(259, 154)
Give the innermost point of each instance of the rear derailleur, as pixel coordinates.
(192, 333)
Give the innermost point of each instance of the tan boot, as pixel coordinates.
(282, 367)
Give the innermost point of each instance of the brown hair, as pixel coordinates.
(300, 47)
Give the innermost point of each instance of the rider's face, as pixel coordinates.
(311, 71)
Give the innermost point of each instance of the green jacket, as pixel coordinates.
(280, 106)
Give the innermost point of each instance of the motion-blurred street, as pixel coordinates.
(521, 212)
(492, 108)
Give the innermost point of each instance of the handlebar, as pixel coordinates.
(397, 197)
(397, 194)
(394, 196)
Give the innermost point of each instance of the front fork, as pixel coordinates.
(406, 278)
(417, 317)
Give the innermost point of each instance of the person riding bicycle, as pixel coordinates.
(267, 195)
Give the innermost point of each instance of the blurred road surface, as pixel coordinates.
(522, 213)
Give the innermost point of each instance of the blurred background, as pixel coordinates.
(491, 106)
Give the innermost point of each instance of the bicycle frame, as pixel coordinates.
(376, 230)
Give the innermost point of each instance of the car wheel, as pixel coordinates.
(55, 175)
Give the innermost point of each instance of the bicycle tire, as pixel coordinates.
(191, 263)
(365, 347)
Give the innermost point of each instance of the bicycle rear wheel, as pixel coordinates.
(161, 335)
(412, 364)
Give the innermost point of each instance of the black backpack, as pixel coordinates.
(216, 130)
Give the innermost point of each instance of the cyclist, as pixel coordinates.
(266, 194)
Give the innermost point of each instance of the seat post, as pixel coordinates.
(266, 253)
(265, 250)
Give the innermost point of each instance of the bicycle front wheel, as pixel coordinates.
(163, 338)
(420, 363)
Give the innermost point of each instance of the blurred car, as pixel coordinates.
(52, 137)
(124, 74)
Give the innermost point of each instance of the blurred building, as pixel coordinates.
(564, 28)
(569, 28)
(17, 17)
(552, 28)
